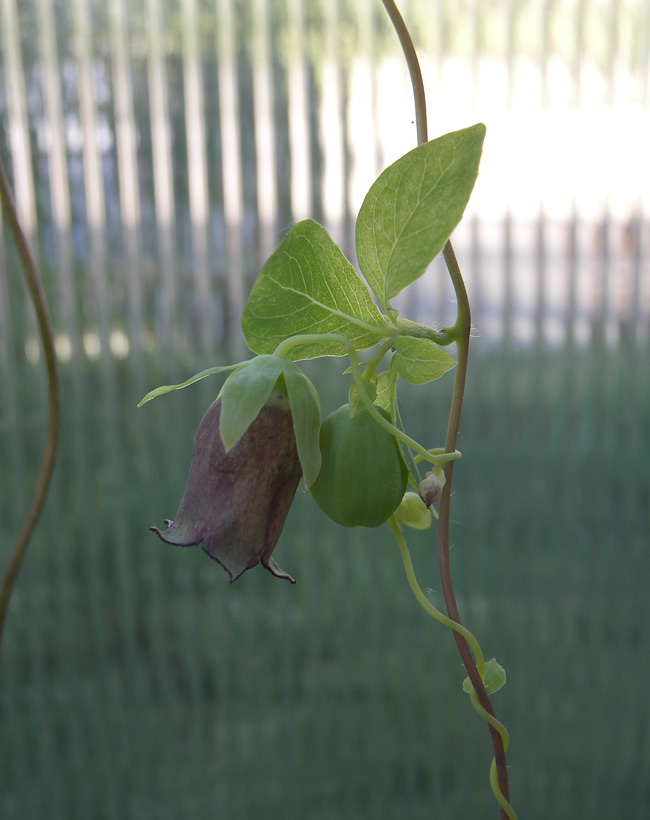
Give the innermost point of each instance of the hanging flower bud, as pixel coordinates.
(430, 488)
(413, 513)
(236, 502)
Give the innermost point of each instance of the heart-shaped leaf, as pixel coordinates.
(307, 286)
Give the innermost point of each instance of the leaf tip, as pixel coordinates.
(150, 395)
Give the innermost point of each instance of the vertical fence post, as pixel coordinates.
(332, 140)
(19, 139)
(298, 103)
(163, 181)
(229, 120)
(59, 179)
(93, 183)
(197, 173)
(361, 115)
(263, 96)
(127, 167)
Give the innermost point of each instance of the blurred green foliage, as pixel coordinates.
(135, 682)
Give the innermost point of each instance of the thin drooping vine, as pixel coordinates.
(39, 301)
(461, 334)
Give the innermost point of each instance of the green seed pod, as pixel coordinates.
(363, 475)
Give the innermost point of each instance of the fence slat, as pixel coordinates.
(127, 168)
(18, 126)
(265, 143)
(197, 174)
(67, 321)
(231, 168)
(299, 126)
(163, 180)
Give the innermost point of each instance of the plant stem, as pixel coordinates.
(433, 457)
(371, 365)
(463, 325)
(426, 604)
(414, 69)
(39, 300)
(461, 331)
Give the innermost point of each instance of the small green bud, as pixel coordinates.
(430, 488)
(412, 512)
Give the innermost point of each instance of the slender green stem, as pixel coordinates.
(506, 808)
(426, 455)
(372, 364)
(494, 724)
(444, 336)
(435, 451)
(426, 604)
(488, 718)
(460, 332)
(494, 774)
(441, 457)
(413, 66)
(39, 300)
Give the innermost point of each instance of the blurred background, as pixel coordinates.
(159, 151)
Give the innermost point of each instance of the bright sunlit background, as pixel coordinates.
(159, 150)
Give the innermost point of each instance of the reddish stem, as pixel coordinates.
(462, 329)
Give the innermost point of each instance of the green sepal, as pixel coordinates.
(244, 394)
(247, 390)
(168, 388)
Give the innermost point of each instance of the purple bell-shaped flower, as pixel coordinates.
(236, 502)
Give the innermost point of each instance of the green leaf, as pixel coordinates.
(243, 396)
(412, 208)
(308, 286)
(494, 678)
(420, 360)
(168, 388)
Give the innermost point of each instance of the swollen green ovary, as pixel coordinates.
(363, 476)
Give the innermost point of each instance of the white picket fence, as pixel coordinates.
(159, 150)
